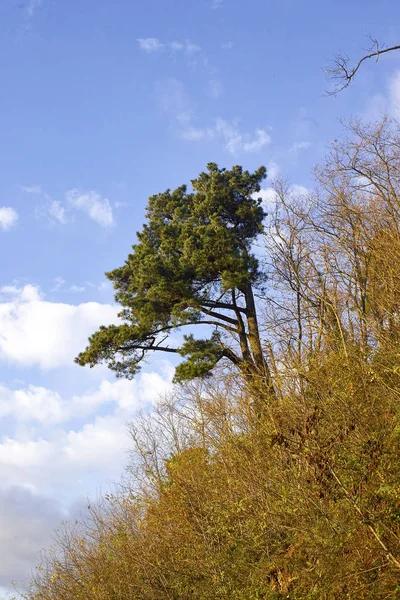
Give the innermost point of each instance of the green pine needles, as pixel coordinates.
(192, 265)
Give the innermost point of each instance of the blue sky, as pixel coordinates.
(103, 104)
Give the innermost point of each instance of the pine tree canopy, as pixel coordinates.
(192, 265)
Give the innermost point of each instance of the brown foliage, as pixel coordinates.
(301, 500)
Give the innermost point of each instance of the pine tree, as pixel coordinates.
(192, 266)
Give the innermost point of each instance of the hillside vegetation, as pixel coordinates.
(277, 476)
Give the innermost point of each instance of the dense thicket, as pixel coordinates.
(300, 502)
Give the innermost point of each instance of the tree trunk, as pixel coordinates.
(259, 374)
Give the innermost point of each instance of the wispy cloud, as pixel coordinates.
(192, 48)
(93, 204)
(258, 140)
(235, 140)
(58, 212)
(152, 44)
(176, 104)
(58, 283)
(104, 286)
(32, 7)
(297, 147)
(216, 4)
(31, 189)
(8, 218)
(51, 212)
(273, 170)
(386, 102)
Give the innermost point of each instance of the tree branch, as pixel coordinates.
(216, 315)
(145, 348)
(224, 306)
(343, 74)
(228, 353)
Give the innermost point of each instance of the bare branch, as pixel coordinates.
(342, 73)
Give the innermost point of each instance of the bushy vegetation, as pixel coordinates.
(242, 494)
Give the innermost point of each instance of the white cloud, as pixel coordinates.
(77, 288)
(8, 218)
(123, 393)
(230, 133)
(35, 403)
(270, 197)
(297, 147)
(97, 443)
(197, 134)
(191, 48)
(47, 334)
(29, 293)
(299, 190)
(8, 289)
(54, 454)
(376, 107)
(6, 593)
(27, 521)
(235, 140)
(58, 445)
(97, 208)
(58, 212)
(105, 285)
(227, 45)
(32, 7)
(216, 4)
(176, 46)
(50, 455)
(150, 44)
(104, 440)
(273, 170)
(15, 454)
(69, 463)
(261, 138)
(51, 211)
(58, 283)
(384, 103)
